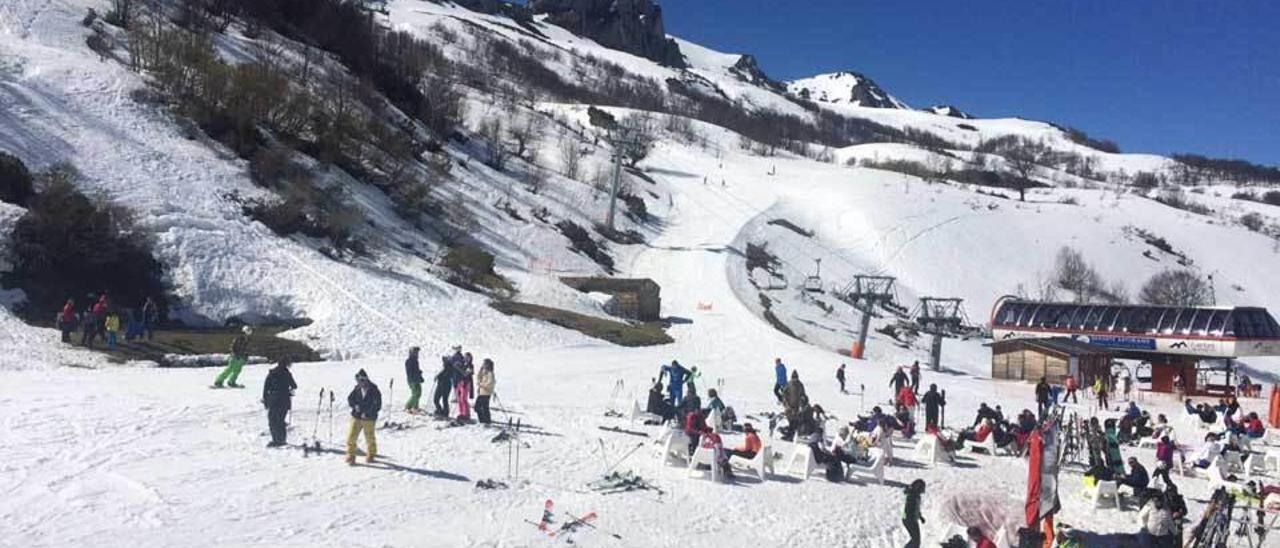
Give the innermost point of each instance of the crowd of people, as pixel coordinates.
(103, 320)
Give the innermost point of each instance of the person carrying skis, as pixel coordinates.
(277, 397)
(462, 387)
(239, 355)
(933, 402)
(67, 320)
(444, 382)
(915, 378)
(898, 381)
(779, 378)
(675, 375)
(911, 516)
(484, 390)
(365, 401)
(1042, 398)
(840, 378)
(413, 374)
(1071, 390)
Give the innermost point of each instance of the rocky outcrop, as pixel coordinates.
(845, 88)
(633, 26)
(948, 110)
(748, 70)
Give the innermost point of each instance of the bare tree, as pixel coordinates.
(1176, 288)
(1024, 157)
(526, 134)
(492, 133)
(570, 157)
(1073, 273)
(637, 137)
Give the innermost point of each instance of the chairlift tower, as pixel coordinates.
(620, 139)
(864, 293)
(938, 317)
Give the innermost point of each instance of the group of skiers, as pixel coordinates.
(458, 377)
(103, 320)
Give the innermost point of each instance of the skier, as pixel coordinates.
(67, 320)
(413, 374)
(277, 397)
(150, 317)
(484, 390)
(1100, 390)
(1071, 390)
(365, 401)
(794, 397)
(898, 381)
(1042, 398)
(915, 378)
(840, 378)
(675, 374)
(112, 327)
(779, 378)
(444, 382)
(239, 355)
(933, 401)
(462, 387)
(911, 516)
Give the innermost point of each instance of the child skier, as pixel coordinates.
(239, 355)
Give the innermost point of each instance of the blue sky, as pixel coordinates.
(1155, 76)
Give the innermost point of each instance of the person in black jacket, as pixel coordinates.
(933, 402)
(1042, 398)
(413, 373)
(277, 396)
(365, 401)
(897, 382)
(449, 366)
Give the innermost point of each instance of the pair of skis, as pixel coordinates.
(570, 526)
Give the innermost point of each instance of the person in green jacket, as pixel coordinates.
(239, 355)
(911, 516)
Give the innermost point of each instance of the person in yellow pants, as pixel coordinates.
(365, 401)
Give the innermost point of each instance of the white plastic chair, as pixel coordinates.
(875, 468)
(1272, 459)
(803, 456)
(713, 420)
(928, 450)
(707, 456)
(1102, 490)
(676, 446)
(988, 445)
(1148, 443)
(1234, 462)
(1255, 465)
(639, 414)
(761, 462)
(885, 439)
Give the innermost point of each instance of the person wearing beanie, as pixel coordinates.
(365, 401)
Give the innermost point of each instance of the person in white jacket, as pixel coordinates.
(484, 390)
(1157, 524)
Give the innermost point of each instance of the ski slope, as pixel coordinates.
(131, 455)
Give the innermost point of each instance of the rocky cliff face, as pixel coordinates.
(948, 110)
(748, 69)
(633, 26)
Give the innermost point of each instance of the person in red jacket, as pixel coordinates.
(1071, 390)
(694, 426)
(907, 398)
(980, 540)
(67, 320)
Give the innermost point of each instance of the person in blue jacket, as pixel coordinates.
(779, 378)
(675, 374)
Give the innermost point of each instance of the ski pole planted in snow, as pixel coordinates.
(517, 440)
(391, 397)
(316, 427)
(331, 417)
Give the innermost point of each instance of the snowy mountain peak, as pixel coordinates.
(949, 110)
(849, 88)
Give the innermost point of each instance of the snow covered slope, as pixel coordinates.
(844, 88)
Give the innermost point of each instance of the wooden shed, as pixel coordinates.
(637, 298)
(1053, 358)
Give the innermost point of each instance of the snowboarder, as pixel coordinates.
(277, 397)
(413, 373)
(898, 381)
(239, 355)
(840, 378)
(484, 390)
(365, 401)
(933, 402)
(462, 387)
(911, 516)
(915, 378)
(779, 378)
(1042, 398)
(675, 374)
(67, 321)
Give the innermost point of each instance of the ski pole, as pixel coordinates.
(624, 458)
(391, 397)
(510, 448)
(517, 440)
(316, 426)
(331, 417)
